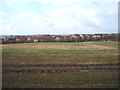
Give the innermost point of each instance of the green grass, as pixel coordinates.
(13, 56)
(69, 79)
(60, 53)
(109, 44)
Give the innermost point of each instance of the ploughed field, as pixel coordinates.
(60, 65)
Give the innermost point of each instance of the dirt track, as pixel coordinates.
(41, 68)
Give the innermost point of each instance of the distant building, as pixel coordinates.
(35, 40)
(57, 39)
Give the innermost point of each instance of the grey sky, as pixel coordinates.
(58, 16)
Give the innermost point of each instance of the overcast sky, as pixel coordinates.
(25, 17)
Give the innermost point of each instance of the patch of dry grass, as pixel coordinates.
(62, 46)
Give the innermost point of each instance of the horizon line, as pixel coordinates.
(58, 34)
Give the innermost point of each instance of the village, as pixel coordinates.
(57, 38)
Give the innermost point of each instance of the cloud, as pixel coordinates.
(2, 13)
(59, 2)
(58, 16)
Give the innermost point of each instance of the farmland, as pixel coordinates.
(24, 58)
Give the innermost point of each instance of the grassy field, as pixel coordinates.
(56, 80)
(60, 53)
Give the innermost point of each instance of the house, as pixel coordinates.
(98, 35)
(28, 39)
(3, 38)
(17, 39)
(45, 38)
(11, 40)
(57, 39)
(35, 40)
(83, 37)
(89, 37)
(74, 38)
